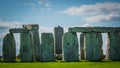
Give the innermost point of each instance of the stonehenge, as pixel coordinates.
(44, 48)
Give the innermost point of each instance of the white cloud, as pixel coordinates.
(98, 8)
(6, 25)
(83, 25)
(71, 11)
(86, 25)
(43, 29)
(103, 18)
(98, 12)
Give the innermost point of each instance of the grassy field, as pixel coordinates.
(60, 65)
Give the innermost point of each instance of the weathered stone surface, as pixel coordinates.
(25, 47)
(58, 32)
(18, 30)
(36, 43)
(47, 47)
(33, 29)
(95, 29)
(70, 47)
(93, 46)
(82, 46)
(9, 51)
(114, 46)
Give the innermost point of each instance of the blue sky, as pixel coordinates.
(45, 12)
(51, 13)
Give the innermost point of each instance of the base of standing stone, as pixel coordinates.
(58, 56)
(70, 47)
(47, 47)
(82, 54)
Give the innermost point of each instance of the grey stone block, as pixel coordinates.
(47, 47)
(33, 30)
(25, 47)
(36, 44)
(18, 30)
(58, 33)
(94, 29)
(9, 48)
(70, 47)
(114, 46)
(93, 46)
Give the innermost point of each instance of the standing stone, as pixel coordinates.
(35, 40)
(70, 47)
(47, 47)
(58, 32)
(9, 48)
(82, 46)
(114, 46)
(93, 46)
(25, 47)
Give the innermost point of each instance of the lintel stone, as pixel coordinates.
(18, 30)
(95, 29)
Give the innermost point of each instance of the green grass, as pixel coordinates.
(84, 64)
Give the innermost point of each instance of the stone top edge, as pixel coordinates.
(94, 27)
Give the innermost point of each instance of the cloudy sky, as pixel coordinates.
(51, 13)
